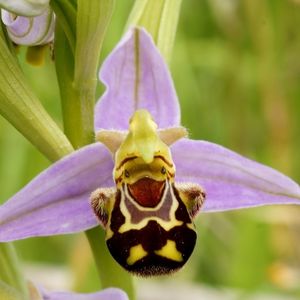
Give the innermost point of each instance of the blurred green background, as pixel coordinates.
(236, 69)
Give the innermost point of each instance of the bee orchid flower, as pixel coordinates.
(143, 180)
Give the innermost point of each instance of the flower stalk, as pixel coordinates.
(65, 12)
(92, 20)
(77, 71)
(77, 76)
(111, 274)
(10, 273)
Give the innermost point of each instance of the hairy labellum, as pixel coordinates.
(147, 217)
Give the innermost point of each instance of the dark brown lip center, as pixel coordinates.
(146, 191)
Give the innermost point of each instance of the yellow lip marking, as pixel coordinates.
(170, 251)
(165, 224)
(136, 253)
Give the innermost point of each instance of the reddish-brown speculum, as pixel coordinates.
(146, 191)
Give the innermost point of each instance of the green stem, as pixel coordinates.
(9, 293)
(66, 16)
(10, 272)
(77, 76)
(70, 101)
(111, 274)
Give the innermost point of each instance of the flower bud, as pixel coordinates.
(27, 8)
(30, 31)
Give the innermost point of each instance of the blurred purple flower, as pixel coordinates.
(135, 75)
(39, 293)
(107, 294)
(30, 31)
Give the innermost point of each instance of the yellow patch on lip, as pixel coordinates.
(136, 253)
(170, 251)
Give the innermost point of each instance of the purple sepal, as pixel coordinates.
(230, 180)
(57, 200)
(136, 76)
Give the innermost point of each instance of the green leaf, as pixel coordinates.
(23, 110)
(93, 18)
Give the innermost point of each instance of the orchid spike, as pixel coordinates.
(146, 163)
(28, 8)
(30, 31)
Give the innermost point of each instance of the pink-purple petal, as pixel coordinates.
(136, 76)
(107, 294)
(57, 200)
(230, 180)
